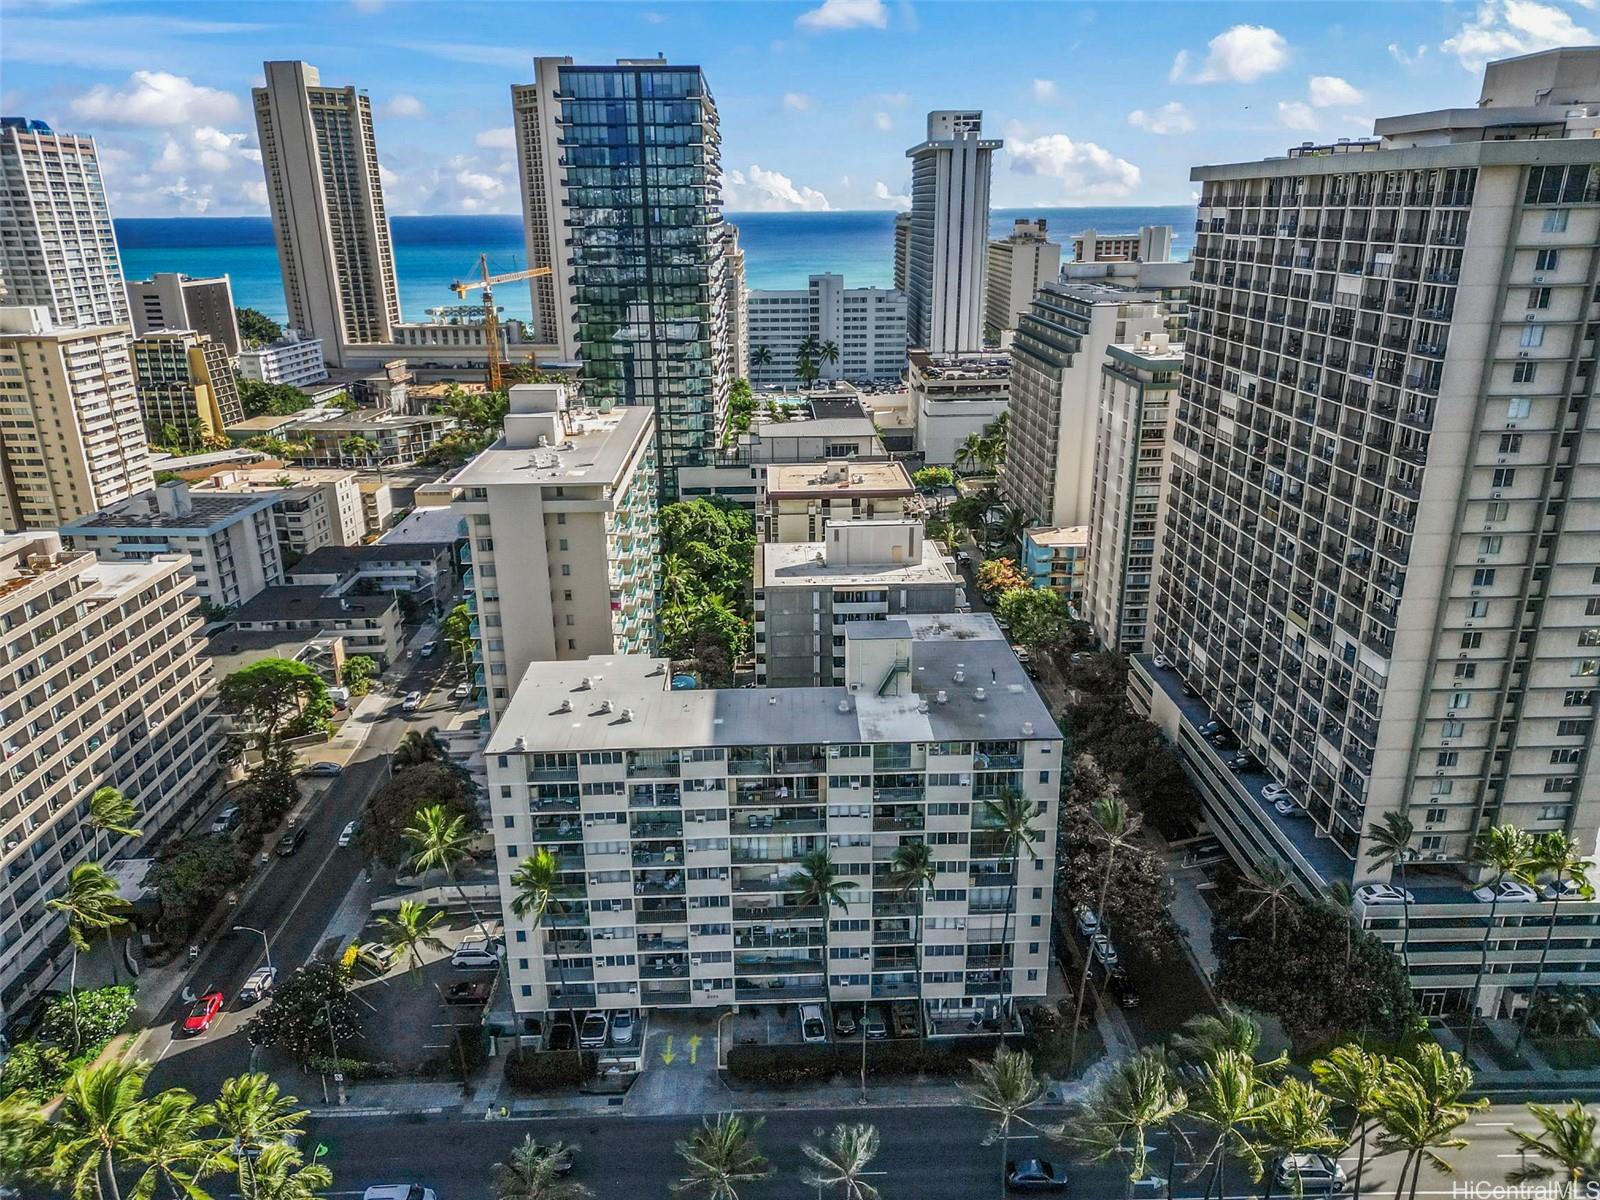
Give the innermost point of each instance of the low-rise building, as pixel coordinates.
(102, 684)
(953, 396)
(679, 817)
(231, 540)
(421, 570)
(1018, 264)
(326, 510)
(367, 438)
(1152, 243)
(188, 393)
(809, 593)
(292, 359)
(802, 500)
(168, 301)
(1058, 558)
(866, 327)
(368, 624)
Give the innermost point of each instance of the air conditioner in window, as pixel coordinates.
(1538, 278)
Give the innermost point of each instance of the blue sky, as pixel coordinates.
(1099, 103)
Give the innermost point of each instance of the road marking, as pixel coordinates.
(1493, 1124)
(694, 1048)
(668, 1054)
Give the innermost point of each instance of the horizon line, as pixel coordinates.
(749, 212)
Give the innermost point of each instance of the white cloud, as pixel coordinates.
(1404, 58)
(897, 200)
(502, 138)
(845, 14)
(195, 171)
(1296, 115)
(797, 102)
(760, 190)
(896, 99)
(403, 104)
(883, 121)
(1172, 117)
(1044, 90)
(1501, 28)
(1328, 90)
(653, 18)
(1085, 169)
(155, 98)
(1241, 54)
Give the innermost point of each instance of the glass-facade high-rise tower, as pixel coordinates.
(622, 192)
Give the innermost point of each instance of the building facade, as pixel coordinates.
(801, 500)
(171, 301)
(1128, 504)
(1153, 243)
(1018, 264)
(320, 159)
(679, 817)
(292, 360)
(585, 582)
(103, 685)
(621, 174)
(1058, 559)
(736, 304)
(71, 439)
(947, 237)
(369, 439)
(187, 389)
(902, 252)
(865, 326)
(1379, 569)
(59, 249)
(952, 397)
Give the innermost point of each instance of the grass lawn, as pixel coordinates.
(1571, 1054)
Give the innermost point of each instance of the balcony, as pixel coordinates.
(781, 989)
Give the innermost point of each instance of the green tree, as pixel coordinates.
(818, 884)
(1508, 853)
(1229, 1102)
(254, 1113)
(309, 1015)
(842, 1160)
(358, 449)
(1037, 617)
(111, 812)
(418, 749)
(91, 904)
(1564, 1147)
(173, 1143)
(1560, 857)
(968, 452)
(932, 478)
(259, 399)
(1139, 1094)
(359, 672)
(25, 1143)
(760, 356)
(533, 1171)
(1012, 817)
(456, 630)
(281, 1173)
(1421, 1107)
(441, 840)
(1005, 1089)
(1206, 1035)
(411, 931)
(256, 328)
(272, 694)
(828, 352)
(96, 1125)
(1393, 845)
(536, 888)
(191, 876)
(1299, 1121)
(1115, 827)
(912, 872)
(393, 808)
(998, 576)
(1354, 1078)
(721, 1157)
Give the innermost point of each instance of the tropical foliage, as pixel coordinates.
(997, 576)
(1037, 617)
(309, 1014)
(707, 552)
(256, 328)
(394, 807)
(276, 697)
(270, 399)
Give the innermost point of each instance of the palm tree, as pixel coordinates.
(25, 1146)
(1508, 853)
(1114, 826)
(1274, 892)
(912, 872)
(1140, 1094)
(842, 1160)
(1012, 817)
(1392, 847)
(819, 886)
(535, 895)
(281, 1174)
(1206, 1036)
(440, 840)
(967, 452)
(256, 1116)
(1299, 1121)
(828, 352)
(1420, 1109)
(410, 931)
(1227, 1098)
(172, 1143)
(760, 356)
(96, 1124)
(90, 904)
(1354, 1078)
(1557, 855)
(415, 749)
(111, 812)
(533, 1171)
(1565, 1141)
(1006, 1088)
(722, 1156)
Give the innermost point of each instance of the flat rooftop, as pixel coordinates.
(995, 365)
(1090, 291)
(595, 453)
(1060, 535)
(366, 420)
(210, 511)
(231, 649)
(309, 602)
(970, 644)
(336, 560)
(431, 526)
(796, 564)
(266, 423)
(858, 478)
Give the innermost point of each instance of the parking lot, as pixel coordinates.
(780, 1024)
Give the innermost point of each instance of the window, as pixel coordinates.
(566, 568)
(1524, 372)
(1510, 443)
(1483, 577)
(1579, 697)
(1555, 221)
(1459, 700)
(1466, 670)
(1586, 666)
(1568, 756)
(1489, 545)
(1496, 510)
(1539, 297)
(1573, 728)
(1503, 477)
(1442, 787)
(1435, 816)
(1565, 784)
(1532, 335)
(1448, 758)
(1453, 729)
(1589, 637)
(1546, 260)
(1552, 812)
(1471, 641)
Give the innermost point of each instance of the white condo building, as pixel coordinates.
(736, 304)
(867, 326)
(291, 360)
(678, 818)
(947, 237)
(321, 164)
(1018, 264)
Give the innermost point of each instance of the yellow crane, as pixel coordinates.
(491, 321)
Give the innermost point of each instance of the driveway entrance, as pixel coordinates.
(679, 1072)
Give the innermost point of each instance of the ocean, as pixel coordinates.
(781, 249)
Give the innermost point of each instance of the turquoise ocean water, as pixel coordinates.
(781, 249)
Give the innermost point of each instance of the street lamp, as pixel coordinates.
(266, 945)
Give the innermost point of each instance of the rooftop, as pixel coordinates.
(265, 423)
(851, 477)
(800, 564)
(439, 524)
(595, 452)
(1059, 535)
(230, 649)
(363, 420)
(1095, 292)
(993, 365)
(336, 560)
(209, 512)
(309, 602)
(995, 700)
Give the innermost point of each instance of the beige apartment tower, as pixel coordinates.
(1018, 264)
(187, 389)
(320, 159)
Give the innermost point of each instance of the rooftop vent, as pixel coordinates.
(605, 706)
(979, 694)
(844, 706)
(961, 676)
(565, 706)
(941, 696)
(520, 744)
(922, 704)
(1027, 727)
(627, 714)
(772, 699)
(585, 684)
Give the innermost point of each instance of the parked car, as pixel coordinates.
(1034, 1175)
(1274, 791)
(592, 1035)
(468, 991)
(812, 1027)
(398, 1191)
(323, 770)
(1104, 950)
(1285, 807)
(561, 1036)
(1383, 893)
(1316, 1173)
(1509, 891)
(461, 691)
(348, 833)
(903, 1019)
(226, 821)
(1567, 889)
(1087, 920)
(258, 985)
(844, 1020)
(1241, 762)
(1122, 989)
(874, 1024)
(375, 957)
(203, 1013)
(623, 1028)
(475, 953)
(291, 841)
(412, 702)
(429, 649)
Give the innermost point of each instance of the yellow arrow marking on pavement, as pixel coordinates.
(694, 1048)
(668, 1055)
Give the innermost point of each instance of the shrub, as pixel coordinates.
(101, 1015)
(542, 1070)
(352, 1068)
(191, 876)
(785, 1064)
(35, 1070)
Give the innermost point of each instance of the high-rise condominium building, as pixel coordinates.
(561, 520)
(1128, 502)
(866, 328)
(736, 303)
(902, 251)
(321, 163)
(186, 387)
(621, 192)
(679, 818)
(58, 250)
(947, 239)
(71, 439)
(1018, 264)
(104, 685)
(1380, 564)
(1153, 243)
(171, 301)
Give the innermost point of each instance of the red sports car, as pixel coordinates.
(203, 1013)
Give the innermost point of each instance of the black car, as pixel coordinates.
(844, 1021)
(291, 841)
(562, 1036)
(1209, 728)
(1034, 1175)
(1241, 762)
(1122, 989)
(468, 991)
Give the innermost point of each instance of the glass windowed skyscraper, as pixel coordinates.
(622, 191)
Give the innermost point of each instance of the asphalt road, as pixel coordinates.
(294, 902)
(929, 1153)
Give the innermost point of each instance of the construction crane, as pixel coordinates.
(491, 321)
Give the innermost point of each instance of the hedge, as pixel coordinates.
(541, 1070)
(352, 1068)
(819, 1063)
